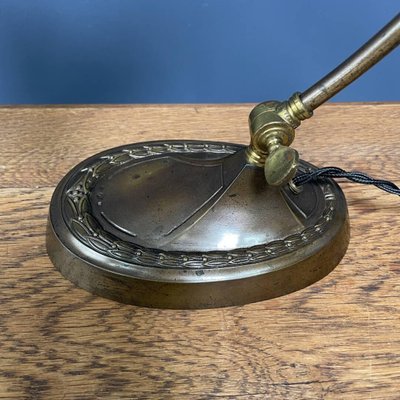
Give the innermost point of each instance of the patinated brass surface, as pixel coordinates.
(191, 225)
(272, 123)
(272, 126)
(381, 44)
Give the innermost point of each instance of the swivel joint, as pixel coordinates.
(272, 129)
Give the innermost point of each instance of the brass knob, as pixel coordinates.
(281, 165)
(272, 126)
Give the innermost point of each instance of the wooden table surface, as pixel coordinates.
(338, 339)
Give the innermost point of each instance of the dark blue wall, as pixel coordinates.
(130, 51)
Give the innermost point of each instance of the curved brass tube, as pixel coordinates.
(387, 39)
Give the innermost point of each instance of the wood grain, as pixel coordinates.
(338, 339)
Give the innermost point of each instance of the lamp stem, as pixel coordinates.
(387, 39)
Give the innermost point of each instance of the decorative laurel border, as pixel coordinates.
(82, 224)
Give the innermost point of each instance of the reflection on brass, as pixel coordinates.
(381, 44)
(272, 126)
(191, 225)
(272, 123)
(281, 165)
(198, 224)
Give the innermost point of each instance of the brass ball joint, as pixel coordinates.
(199, 224)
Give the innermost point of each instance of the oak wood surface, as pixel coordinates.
(338, 339)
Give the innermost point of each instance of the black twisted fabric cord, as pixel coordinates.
(334, 172)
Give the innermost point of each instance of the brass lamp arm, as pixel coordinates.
(381, 44)
(272, 123)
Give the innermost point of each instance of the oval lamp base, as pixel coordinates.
(191, 224)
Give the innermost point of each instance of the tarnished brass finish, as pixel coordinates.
(381, 44)
(193, 224)
(281, 165)
(267, 129)
(272, 126)
(186, 224)
(272, 123)
(293, 111)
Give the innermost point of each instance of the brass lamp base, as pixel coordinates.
(191, 224)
